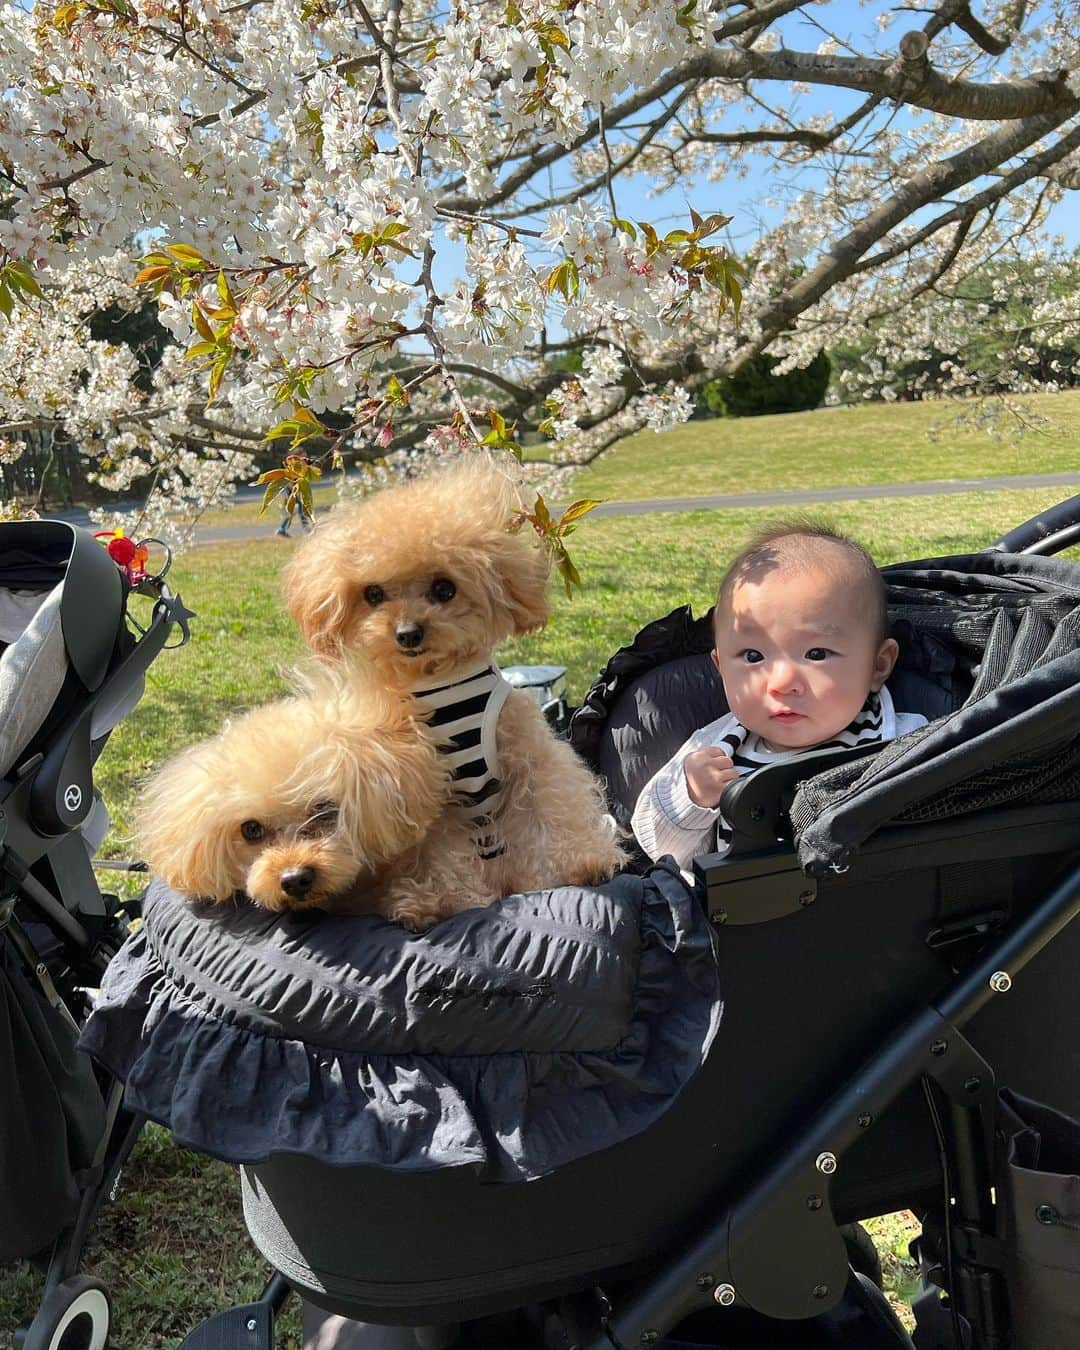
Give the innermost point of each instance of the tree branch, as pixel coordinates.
(910, 78)
(967, 210)
(930, 185)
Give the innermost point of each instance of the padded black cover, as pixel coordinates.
(515, 1038)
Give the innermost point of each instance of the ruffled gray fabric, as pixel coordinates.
(515, 1038)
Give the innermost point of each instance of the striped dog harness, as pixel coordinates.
(464, 714)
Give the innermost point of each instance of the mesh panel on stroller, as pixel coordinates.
(72, 663)
(884, 965)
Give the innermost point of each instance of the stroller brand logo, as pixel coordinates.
(73, 797)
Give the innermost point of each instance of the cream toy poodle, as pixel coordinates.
(333, 798)
(424, 580)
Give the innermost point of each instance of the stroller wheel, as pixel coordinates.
(74, 1316)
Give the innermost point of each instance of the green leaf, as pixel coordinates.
(200, 349)
(652, 239)
(300, 427)
(188, 257)
(711, 224)
(198, 318)
(578, 509)
(306, 417)
(6, 302)
(155, 274)
(217, 371)
(19, 278)
(569, 573)
(273, 490)
(626, 226)
(227, 298)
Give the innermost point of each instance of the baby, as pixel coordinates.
(801, 645)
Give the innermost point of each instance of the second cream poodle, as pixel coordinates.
(333, 798)
(424, 580)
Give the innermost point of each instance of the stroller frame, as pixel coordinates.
(44, 800)
(785, 1220)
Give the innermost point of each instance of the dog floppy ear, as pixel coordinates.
(393, 784)
(316, 594)
(515, 557)
(524, 568)
(180, 830)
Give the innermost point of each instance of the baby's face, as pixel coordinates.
(797, 657)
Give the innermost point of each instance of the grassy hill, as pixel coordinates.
(834, 447)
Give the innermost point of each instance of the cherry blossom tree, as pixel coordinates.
(373, 226)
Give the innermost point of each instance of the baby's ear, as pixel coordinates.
(884, 662)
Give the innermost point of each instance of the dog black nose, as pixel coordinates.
(409, 635)
(297, 881)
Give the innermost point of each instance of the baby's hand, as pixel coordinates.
(708, 772)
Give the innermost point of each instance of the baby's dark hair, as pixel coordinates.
(804, 542)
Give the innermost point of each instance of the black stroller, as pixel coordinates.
(72, 665)
(896, 954)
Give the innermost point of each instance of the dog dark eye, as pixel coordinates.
(442, 590)
(321, 818)
(374, 595)
(252, 831)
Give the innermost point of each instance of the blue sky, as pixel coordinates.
(745, 198)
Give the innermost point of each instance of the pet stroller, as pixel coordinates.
(892, 937)
(72, 665)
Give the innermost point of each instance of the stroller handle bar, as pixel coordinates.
(1049, 532)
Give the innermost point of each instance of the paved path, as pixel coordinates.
(728, 501)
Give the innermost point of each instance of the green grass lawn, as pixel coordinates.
(833, 447)
(173, 1247)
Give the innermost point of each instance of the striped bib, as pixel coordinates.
(465, 714)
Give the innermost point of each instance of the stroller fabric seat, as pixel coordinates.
(514, 1038)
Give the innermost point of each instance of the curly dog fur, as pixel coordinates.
(423, 580)
(332, 798)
